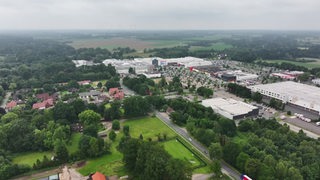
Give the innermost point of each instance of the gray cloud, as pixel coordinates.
(159, 14)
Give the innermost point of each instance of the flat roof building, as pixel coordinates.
(298, 94)
(231, 108)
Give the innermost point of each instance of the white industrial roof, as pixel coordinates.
(299, 94)
(229, 106)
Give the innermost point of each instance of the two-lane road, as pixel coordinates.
(202, 149)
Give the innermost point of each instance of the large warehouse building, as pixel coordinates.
(231, 108)
(302, 95)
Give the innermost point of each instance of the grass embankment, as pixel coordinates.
(178, 151)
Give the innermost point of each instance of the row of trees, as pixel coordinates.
(140, 84)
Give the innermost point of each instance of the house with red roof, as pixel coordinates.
(11, 105)
(119, 95)
(116, 93)
(43, 105)
(113, 91)
(97, 176)
(46, 96)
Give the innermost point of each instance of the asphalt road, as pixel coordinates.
(126, 90)
(202, 149)
(5, 100)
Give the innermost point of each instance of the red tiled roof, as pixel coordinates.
(40, 105)
(98, 176)
(112, 91)
(11, 104)
(43, 105)
(43, 96)
(119, 95)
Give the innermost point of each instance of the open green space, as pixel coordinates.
(149, 127)
(73, 145)
(219, 46)
(30, 158)
(178, 151)
(110, 164)
(314, 64)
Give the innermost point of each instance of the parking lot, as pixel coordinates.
(312, 127)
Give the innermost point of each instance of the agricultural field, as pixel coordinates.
(133, 43)
(178, 151)
(313, 64)
(219, 46)
(30, 158)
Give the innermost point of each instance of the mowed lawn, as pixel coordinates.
(149, 127)
(73, 146)
(178, 151)
(30, 158)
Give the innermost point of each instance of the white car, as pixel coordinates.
(318, 123)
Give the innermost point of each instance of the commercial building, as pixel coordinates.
(298, 94)
(152, 75)
(237, 75)
(316, 81)
(231, 108)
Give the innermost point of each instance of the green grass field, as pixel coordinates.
(30, 158)
(215, 46)
(73, 146)
(110, 164)
(178, 151)
(149, 127)
(304, 64)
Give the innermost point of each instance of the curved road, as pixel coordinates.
(226, 169)
(5, 99)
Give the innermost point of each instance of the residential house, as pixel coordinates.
(116, 93)
(97, 176)
(11, 105)
(85, 82)
(43, 105)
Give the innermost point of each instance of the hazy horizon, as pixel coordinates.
(164, 15)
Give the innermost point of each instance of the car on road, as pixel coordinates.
(318, 123)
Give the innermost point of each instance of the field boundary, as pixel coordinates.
(203, 162)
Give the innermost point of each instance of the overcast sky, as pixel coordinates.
(160, 14)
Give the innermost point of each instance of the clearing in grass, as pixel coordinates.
(30, 158)
(73, 145)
